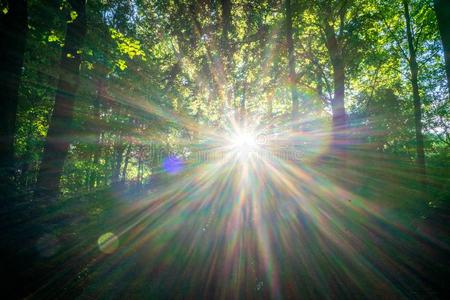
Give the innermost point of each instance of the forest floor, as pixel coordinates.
(183, 242)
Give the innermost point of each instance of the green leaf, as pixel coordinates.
(73, 16)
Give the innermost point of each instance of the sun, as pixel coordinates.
(244, 140)
(243, 143)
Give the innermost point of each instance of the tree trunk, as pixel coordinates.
(26, 159)
(58, 136)
(226, 24)
(117, 162)
(13, 29)
(337, 103)
(416, 96)
(291, 64)
(125, 165)
(214, 74)
(97, 131)
(242, 104)
(226, 50)
(442, 9)
(140, 169)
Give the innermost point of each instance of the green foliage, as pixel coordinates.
(153, 71)
(126, 46)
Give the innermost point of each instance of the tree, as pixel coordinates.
(59, 133)
(442, 9)
(13, 30)
(291, 63)
(414, 69)
(334, 15)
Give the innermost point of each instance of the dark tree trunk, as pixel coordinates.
(226, 29)
(337, 103)
(226, 23)
(125, 165)
(97, 132)
(59, 133)
(117, 161)
(140, 167)
(442, 9)
(242, 104)
(26, 159)
(291, 64)
(13, 29)
(416, 96)
(226, 50)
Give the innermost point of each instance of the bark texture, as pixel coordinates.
(413, 66)
(59, 132)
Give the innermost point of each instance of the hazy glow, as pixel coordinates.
(244, 141)
(242, 144)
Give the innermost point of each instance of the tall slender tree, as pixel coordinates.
(414, 69)
(442, 9)
(335, 14)
(226, 49)
(13, 30)
(59, 133)
(291, 62)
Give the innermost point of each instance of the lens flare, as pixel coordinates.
(244, 144)
(108, 243)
